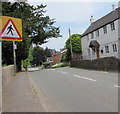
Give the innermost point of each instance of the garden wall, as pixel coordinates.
(107, 63)
(7, 74)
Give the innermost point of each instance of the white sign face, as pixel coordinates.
(10, 31)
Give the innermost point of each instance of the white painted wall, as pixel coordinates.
(111, 37)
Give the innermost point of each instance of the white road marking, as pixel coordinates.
(50, 69)
(117, 86)
(63, 72)
(85, 78)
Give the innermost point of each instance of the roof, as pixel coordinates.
(94, 43)
(112, 16)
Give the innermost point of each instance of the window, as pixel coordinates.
(114, 47)
(105, 29)
(97, 33)
(102, 50)
(107, 49)
(92, 35)
(88, 52)
(93, 52)
(112, 26)
(87, 37)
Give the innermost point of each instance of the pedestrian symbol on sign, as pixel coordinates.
(10, 29)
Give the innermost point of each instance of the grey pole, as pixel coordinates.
(70, 44)
(0, 77)
(14, 47)
(0, 62)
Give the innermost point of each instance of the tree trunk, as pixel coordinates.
(19, 67)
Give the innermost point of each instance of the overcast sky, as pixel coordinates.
(73, 15)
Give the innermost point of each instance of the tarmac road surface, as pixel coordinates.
(76, 90)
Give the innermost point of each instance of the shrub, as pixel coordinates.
(63, 64)
(46, 64)
(25, 64)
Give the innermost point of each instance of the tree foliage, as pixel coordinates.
(48, 52)
(75, 42)
(38, 56)
(76, 46)
(36, 28)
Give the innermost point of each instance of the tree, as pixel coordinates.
(38, 56)
(76, 45)
(48, 52)
(36, 28)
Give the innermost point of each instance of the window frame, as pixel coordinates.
(105, 29)
(107, 49)
(97, 33)
(92, 35)
(112, 26)
(114, 46)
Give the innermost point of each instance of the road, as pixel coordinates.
(76, 90)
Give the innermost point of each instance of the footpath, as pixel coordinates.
(20, 96)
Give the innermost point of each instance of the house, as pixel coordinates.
(101, 37)
(55, 59)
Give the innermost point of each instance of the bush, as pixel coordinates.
(46, 64)
(25, 64)
(64, 64)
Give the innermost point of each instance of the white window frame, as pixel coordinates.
(92, 35)
(87, 36)
(112, 26)
(107, 49)
(114, 48)
(105, 29)
(97, 33)
(88, 52)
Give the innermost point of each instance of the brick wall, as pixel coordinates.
(107, 63)
(7, 74)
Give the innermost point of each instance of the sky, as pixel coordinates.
(73, 15)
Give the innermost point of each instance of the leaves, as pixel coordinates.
(36, 27)
(75, 42)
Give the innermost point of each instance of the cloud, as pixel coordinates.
(73, 1)
(69, 12)
(73, 15)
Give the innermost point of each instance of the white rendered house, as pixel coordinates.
(101, 38)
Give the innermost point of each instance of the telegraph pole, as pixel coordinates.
(70, 45)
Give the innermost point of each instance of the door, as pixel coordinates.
(97, 53)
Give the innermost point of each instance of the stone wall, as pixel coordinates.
(7, 74)
(107, 63)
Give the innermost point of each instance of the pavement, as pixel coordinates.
(20, 95)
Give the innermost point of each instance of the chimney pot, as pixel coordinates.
(91, 19)
(114, 6)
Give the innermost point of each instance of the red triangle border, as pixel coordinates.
(11, 38)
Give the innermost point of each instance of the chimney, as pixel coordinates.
(91, 19)
(119, 4)
(114, 6)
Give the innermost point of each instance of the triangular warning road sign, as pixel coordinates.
(10, 32)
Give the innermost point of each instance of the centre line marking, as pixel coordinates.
(63, 72)
(117, 86)
(85, 78)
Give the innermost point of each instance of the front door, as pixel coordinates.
(97, 53)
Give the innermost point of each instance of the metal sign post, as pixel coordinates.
(0, 77)
(14, 54)
(0, 62)
(11, 30)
